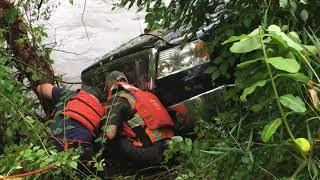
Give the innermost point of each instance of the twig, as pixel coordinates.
(153, 167)
(86, 169)
(160, 38)
(84, 8)
(66, 82)
(238, 144)
(266, 171)
(39, 6)
(68, 52)
(300, 168)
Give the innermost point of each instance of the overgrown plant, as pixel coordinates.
(268, 133)
(25, 150)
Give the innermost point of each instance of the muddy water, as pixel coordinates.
(79, 44)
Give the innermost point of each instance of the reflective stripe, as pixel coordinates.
(135, 121)
(159, 134)
(156, 135)
(129, 97)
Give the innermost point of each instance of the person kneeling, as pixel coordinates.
(137, 122)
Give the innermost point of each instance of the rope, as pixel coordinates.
(38, 171)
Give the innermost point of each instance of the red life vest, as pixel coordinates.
(85, 108)
(150, 114)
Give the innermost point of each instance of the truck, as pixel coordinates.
(173, 66)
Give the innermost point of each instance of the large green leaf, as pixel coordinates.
(251, 89)
(294, 103)
(270, 129)
(246, 45)
(247, 63)
(274, 28)
(275, 32)
(289, 65)
(235, 38)
(296, 76)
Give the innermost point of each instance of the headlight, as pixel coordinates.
(182, 57)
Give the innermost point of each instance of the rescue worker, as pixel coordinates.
(77, 117)
(80, 117)
(136, 121)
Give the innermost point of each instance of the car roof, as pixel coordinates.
(138, 43)
(145, 41)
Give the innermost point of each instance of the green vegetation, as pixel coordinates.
(270, 49)
(24, 146)
(272, 116)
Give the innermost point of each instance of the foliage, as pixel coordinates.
(231, 18)
(24, 145)
(287, 55)
(24, 142)
(257, 136)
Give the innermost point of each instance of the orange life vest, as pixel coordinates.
(149, 114)
(85, 108)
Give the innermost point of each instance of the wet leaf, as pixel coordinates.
(287, 39)
(312, 49)
(289, 65)
(188, 141)
(247, 63)
(57, 131)
(303, 2)
(294, 103)
(215, 75)
(304, 15)
(251, 89)
(191, 174)
(294, 35)
(235, 38)
(283, 3)
(274, 28)
(73, 164)
(177, 139)
(35, 76)
(296, 76)
(293, 5)
(246, 45)
(210, 70)
(270, 129)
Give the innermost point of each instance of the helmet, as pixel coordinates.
(114, 76)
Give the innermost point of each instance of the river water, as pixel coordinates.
(79, 44)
